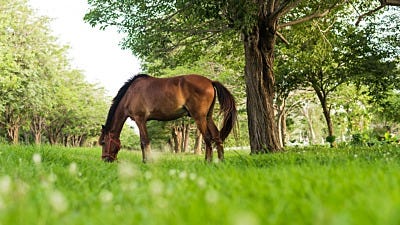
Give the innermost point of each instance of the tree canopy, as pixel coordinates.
(40, 94)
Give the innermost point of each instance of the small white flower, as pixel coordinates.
(106, 196)
(129, 186)
(148, 175)
(73, 168)
(52, 178)
(156, 187)
(211, 196)
(245, 218)
(201, 182)
(172, 172)
(58, 202)
(182, 175)
(37, 158)
(192, 176)
(126, 170)
(5, 184)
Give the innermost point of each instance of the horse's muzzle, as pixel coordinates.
(108, 159)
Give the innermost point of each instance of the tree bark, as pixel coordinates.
(259, 58)
(306, 114)
(281, 120)
(37, 127)
(327, 113)
(186, 137)
(12, 126)
(198, 142)
(176, 132)
(13, 134)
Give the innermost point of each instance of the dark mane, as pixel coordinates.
(118, 98)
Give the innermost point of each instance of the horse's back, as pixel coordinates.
(171, 98)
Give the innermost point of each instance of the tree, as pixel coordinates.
(182, 30)
(24, 43)
(335, 54)
(39, 92)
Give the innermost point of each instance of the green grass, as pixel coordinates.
(56, 185)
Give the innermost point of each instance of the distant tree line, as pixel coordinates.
(42, 98)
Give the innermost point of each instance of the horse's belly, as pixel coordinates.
(165, 115)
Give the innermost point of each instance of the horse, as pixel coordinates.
(143, 98)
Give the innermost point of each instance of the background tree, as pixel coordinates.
(40, 94)
(24, 39)
(333, 55)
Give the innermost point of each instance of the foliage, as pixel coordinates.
(129, 139)
(330, 139)
(335, 54)
(40, 94)
(55, 185)
(389, 111)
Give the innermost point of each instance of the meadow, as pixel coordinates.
(314, 185)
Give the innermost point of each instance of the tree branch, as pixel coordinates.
(304, 19)
(271, 5)
(282, 38)
(187, 5)
(310, 17)
(284, 8)
(370, 12)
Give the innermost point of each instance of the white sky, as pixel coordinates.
(97, 53)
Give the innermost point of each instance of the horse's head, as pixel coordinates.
(110, 144)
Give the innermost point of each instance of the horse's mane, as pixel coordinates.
(118, 98)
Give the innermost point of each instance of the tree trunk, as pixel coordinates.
(307, 115)
(283, 127)
(281, 120)
(176, 132)
(53, 133)
(259, 58)
(37, 127)
(82, 140)
(12, 124)
(327, 114)
(198, 142)
(186, 136)
(13, 134)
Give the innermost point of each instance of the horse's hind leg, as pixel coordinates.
(202, 126)
(216, 138)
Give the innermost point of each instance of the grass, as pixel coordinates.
(56, 185)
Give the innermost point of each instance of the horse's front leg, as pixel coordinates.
(144, 139)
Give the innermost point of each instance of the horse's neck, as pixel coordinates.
(117, 123)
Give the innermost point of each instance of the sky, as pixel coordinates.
(96, 52)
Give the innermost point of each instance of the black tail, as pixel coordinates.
(227, 107)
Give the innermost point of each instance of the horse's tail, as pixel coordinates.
(227, 107)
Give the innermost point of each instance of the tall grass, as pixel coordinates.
(56, 185)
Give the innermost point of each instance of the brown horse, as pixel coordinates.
(144, 98)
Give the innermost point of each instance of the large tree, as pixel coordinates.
(176, 31)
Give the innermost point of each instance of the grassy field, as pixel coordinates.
(56, 185)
